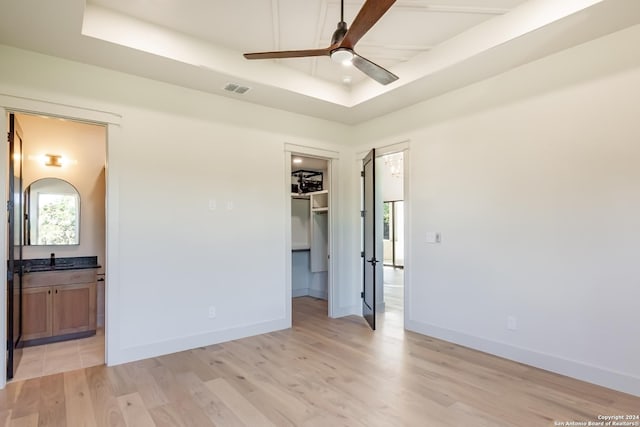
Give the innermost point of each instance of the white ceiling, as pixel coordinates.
(434, 46)
(409, 28)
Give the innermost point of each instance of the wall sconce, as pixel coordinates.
(53, 160)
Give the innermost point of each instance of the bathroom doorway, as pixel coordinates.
(63, 245)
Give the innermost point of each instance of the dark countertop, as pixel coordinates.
(59, 264)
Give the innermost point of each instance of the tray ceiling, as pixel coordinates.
(434, 46)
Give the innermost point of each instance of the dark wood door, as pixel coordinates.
(14, 250)
(369, 233)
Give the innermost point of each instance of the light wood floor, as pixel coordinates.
(62, 356)
(393, 288)
(322, 372)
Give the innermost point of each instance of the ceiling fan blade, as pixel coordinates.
(371, 12)
(288, 54)
(374, 71)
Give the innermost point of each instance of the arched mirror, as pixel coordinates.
(52, 213)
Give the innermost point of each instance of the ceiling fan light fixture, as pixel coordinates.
(342, 55)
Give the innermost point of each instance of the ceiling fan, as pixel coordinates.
(343, 42)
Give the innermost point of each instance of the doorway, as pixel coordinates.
(310, 225)
(384, 203)
(392, 185)
(63, 237)
(393, 248)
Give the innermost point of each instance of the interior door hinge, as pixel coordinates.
(362, 214)
(362, 174)
(362, 294)
(361, 254)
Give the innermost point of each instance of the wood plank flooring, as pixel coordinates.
(322, 372)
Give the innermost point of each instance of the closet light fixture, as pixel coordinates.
(297, 160)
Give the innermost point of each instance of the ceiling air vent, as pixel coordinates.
(234, 87)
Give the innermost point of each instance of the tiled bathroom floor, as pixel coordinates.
(59, 357)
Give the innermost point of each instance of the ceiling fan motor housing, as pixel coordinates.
(339, 33)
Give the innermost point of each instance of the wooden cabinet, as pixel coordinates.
(58, 304)
(74, 308)
(36, 308)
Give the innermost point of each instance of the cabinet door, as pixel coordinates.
(36, 309)
(74, 308)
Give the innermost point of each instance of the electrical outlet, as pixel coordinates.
(512, 323)
(212, 312)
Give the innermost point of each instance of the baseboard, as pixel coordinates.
(354, 310)
(318, 294)
(571, 368)
(133, 353)
(309, 292)
(301, 292)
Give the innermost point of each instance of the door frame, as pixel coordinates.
(332, 158)
(13, 350)
(18, 104)
(383, 150)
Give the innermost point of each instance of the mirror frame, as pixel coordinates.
(27, 209)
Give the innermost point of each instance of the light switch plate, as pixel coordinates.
(433, 237)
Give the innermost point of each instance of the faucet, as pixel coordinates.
(53, 259)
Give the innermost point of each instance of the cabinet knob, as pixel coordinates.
(49, 291)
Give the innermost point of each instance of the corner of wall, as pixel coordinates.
(131, 354)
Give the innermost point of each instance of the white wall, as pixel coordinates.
(175, 150)
(532, 178)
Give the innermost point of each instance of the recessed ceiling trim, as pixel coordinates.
(202, 63)
(321, 22)
(119, 29)
(275, 13)
(524, 19)
(389, 46)
(428, 6)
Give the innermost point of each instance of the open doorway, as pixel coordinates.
(392, 183)
(383, 228)
(61, 292)
(310, 225)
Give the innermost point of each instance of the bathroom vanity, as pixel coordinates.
(59, 301)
